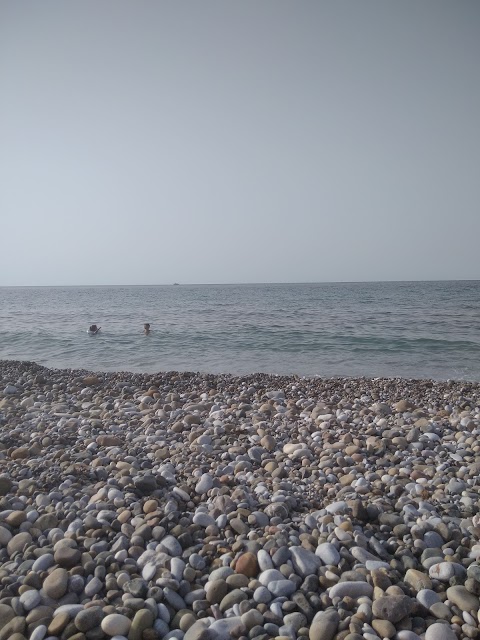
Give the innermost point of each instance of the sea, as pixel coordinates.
(378, 329)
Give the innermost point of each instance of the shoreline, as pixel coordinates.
(269, 378)
(205, 506)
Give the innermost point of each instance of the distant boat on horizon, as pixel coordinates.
(175, 284)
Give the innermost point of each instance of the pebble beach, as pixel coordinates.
(206, 507)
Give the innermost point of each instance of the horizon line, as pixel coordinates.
(223, 284)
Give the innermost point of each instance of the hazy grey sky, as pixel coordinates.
(148, 142)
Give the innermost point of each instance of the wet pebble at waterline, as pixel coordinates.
(205, 507)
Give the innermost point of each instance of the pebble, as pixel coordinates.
(439, 631)
(116, 625)
(304, 561)
(324, 625)
(427, 597)
(88, 619)
(462, 598)
(55, 584)
(142, 621)
(328, 553)
(392, 608)
(282, 588)
(30, 599)
(39, 632)
(204, 484)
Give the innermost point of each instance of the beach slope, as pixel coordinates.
(182, 505)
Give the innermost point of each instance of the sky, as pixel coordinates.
(152, 142)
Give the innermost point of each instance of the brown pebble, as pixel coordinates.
(150, 506)
(247, 565)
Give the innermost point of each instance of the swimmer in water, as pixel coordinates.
(146, 329)
(93, 329)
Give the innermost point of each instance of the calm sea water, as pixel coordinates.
(407, 329)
